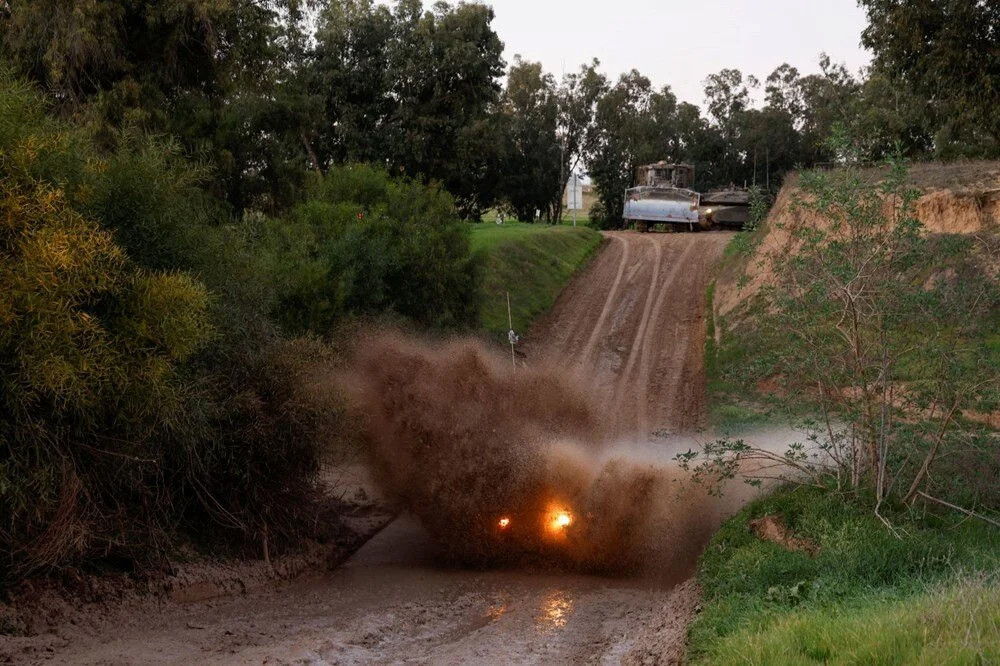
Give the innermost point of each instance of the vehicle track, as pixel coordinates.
(588, 349)
(648, 344)
(639, 342)
(646, 362)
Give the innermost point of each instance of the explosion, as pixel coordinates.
(454, 433)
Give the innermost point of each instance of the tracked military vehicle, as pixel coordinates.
(664, 196)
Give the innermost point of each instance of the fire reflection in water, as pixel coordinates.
(496, 611)
(555, 611)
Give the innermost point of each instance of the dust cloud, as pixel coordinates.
(463, 442)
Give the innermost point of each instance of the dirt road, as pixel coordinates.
(633, 321)
(634, 324)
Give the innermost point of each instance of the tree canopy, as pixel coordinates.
(267, 91)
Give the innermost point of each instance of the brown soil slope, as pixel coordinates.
(961, 198)
(633, 327)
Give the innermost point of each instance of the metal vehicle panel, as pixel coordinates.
(661, 205)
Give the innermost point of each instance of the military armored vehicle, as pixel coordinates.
(664, 196)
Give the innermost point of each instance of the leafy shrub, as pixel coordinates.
(282, 416)
(89, 388)
(599, 216)
(152, 198)
(142, 388)
(366, 243)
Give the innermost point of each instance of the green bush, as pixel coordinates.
(152, 198)
(281, 418)
(365, 243)
(143, 388)
(90, 393)
(599, 216)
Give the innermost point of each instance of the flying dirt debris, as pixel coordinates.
(505, 468)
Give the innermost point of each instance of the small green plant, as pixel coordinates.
(747, 240)
(599, 216)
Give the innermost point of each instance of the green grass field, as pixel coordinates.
(927, 596)
(533, 262)
(582, 218)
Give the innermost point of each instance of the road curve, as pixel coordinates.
(633, 324)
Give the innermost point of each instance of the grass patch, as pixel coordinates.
(531, 261)
(956, 624)
(866, 597)
(734, 366)
(582, 218)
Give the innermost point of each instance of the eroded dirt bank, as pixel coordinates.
(629, 333)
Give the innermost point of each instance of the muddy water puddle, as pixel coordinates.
(394, 602)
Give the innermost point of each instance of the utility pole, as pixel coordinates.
(511, 335)
(575, 202)
(562, 178)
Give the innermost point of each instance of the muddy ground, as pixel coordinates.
(631, 327)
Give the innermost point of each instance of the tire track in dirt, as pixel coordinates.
(639, 339)
(643, 346)
(574, 313)
(681, 366)
(644, 362)
(608, 303)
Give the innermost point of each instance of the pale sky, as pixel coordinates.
(680, 42)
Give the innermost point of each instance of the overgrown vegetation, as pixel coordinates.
(149, 383)
(888, 343)
(366, 244)
(926, 594)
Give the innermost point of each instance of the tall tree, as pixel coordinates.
(946, 50)
(783, 91)
(356, 42)
(634, 123)
(532, 177)
(828, 102)
(578, 96)
(206, 71)
(727, 96)
(411, 89)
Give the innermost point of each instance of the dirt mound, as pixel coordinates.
(955, 199)
(773, 529)
(465, 442)
(945, 211)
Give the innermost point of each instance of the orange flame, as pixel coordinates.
(562, 520)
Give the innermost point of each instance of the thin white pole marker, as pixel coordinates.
(510, 334)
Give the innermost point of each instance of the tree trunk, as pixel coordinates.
(925, 468)
(312, 154)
